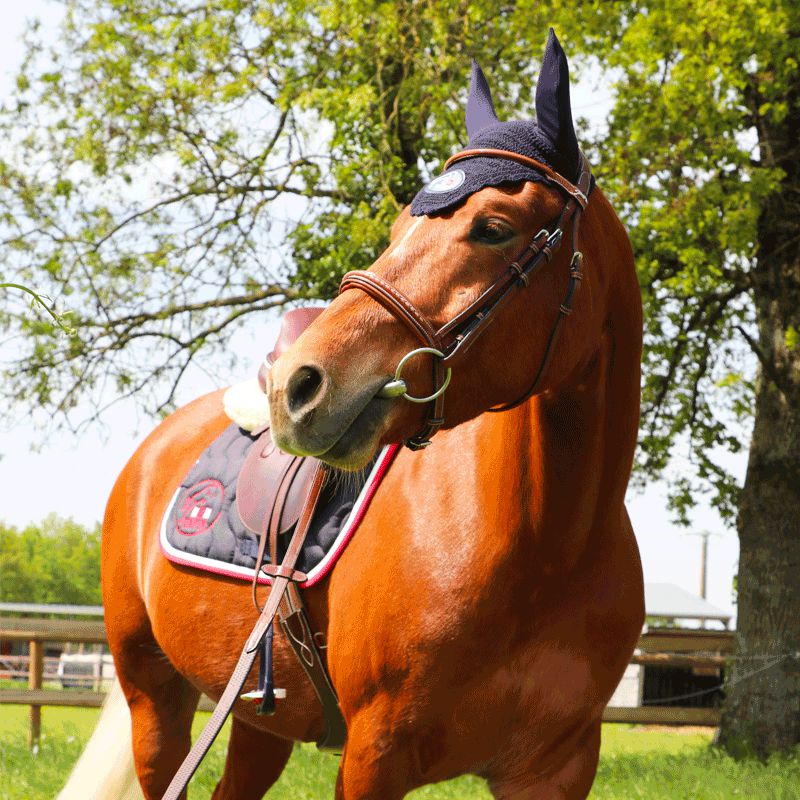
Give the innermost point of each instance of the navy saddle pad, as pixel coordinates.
(202, 527)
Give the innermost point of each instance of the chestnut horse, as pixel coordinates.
(489, 603)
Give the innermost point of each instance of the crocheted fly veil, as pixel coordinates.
(550, 138)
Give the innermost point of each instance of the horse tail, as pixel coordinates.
(105, 768)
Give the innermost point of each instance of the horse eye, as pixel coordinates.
(491, 231)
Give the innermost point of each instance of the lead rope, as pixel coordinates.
(280, 583)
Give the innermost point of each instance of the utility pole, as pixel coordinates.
(704, 564)
(703, 560)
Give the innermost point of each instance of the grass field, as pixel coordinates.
(654, 764)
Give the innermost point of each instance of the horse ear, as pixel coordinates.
(553, 111)
(480, 109)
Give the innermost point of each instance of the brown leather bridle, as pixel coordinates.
(449, 343)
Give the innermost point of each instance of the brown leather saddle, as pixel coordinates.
(273, 490)
(272, 484)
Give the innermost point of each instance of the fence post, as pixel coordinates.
(35, 670)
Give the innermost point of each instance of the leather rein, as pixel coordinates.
(451, 341)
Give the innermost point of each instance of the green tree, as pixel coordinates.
(177, 167)
(38, 303)
(702, 157)
(57, 561)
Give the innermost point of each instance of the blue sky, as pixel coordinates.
(74, 477)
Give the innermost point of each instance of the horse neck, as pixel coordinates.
(572, 451)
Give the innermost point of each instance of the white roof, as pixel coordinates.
(668, 600)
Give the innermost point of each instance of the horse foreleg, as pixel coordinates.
(571, 780)
(254, 762)
(374, 765)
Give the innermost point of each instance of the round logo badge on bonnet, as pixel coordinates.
(446, 182)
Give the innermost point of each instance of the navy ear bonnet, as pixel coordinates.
(549, 139)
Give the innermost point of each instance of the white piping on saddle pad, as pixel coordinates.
(246, 405)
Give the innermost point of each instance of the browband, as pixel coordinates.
(571, 189)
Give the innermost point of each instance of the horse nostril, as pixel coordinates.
(303, 387)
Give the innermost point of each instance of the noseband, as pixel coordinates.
(449, 343)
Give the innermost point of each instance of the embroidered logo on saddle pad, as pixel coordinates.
(201, 507)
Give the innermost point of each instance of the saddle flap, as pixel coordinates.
(263, 472)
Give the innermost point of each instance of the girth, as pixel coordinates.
(449, 343)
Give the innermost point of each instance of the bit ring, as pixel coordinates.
(398, 388)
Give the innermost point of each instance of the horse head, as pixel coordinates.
(481, 272)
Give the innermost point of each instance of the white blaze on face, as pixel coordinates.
(397, 250)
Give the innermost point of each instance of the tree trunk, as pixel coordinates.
(762, 707)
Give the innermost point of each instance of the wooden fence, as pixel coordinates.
(695, 649)
(675, 648)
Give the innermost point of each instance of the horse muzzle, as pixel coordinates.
(311, 415)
